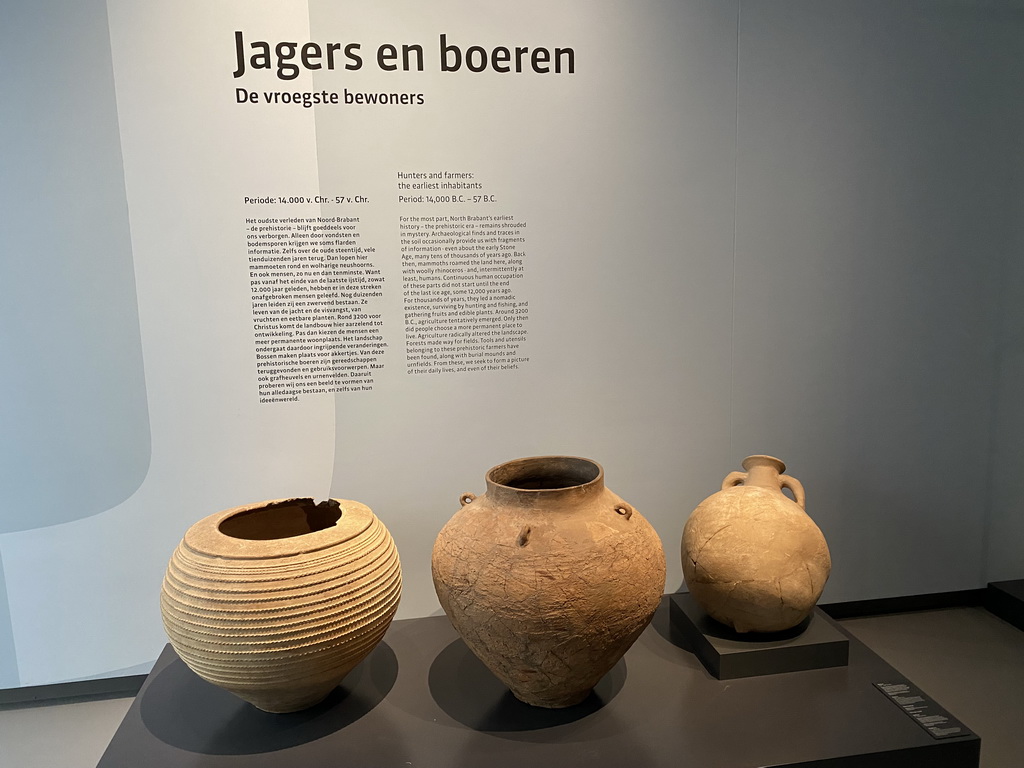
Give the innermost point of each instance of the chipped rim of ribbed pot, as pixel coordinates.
(207, 537)
(548, 478)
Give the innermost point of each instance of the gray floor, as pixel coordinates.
(969, 661)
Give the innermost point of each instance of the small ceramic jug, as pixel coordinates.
(752, 558)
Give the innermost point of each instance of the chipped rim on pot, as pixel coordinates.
(206, 536)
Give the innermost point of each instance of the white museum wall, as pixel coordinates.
(1004, 556)
(878, 205)
(629, 338)
(784, 227)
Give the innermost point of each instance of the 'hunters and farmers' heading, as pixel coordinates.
(288, 59)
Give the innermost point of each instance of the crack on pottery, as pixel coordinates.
(707, 541)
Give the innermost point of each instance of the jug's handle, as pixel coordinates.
(785, 481)
(733, 478)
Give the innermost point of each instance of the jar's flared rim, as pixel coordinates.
(761, 459)
(545, 475)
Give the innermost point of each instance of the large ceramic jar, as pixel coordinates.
(752, 558)
(548, 577)
(278, 601)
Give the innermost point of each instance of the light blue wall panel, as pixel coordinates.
(8, 659)
(72, 389)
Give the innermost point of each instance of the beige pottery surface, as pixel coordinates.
(752, 557)
(281, 618)
(549, 577)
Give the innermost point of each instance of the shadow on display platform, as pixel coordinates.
(423, 699)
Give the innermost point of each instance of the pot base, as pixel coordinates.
(285, 700)
(560, 702)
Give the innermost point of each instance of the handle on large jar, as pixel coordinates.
(733, 478)
(466, 498)
(785, 481)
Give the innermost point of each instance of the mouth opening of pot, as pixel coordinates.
(282, 520)
(545, 473)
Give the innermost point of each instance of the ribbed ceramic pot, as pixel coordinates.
(548, 577)
(752, 558)
(277, 601)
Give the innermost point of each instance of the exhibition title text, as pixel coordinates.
(287, 59)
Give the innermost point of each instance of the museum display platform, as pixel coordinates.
(1006, 600)
(422, 699)
(814, 643)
